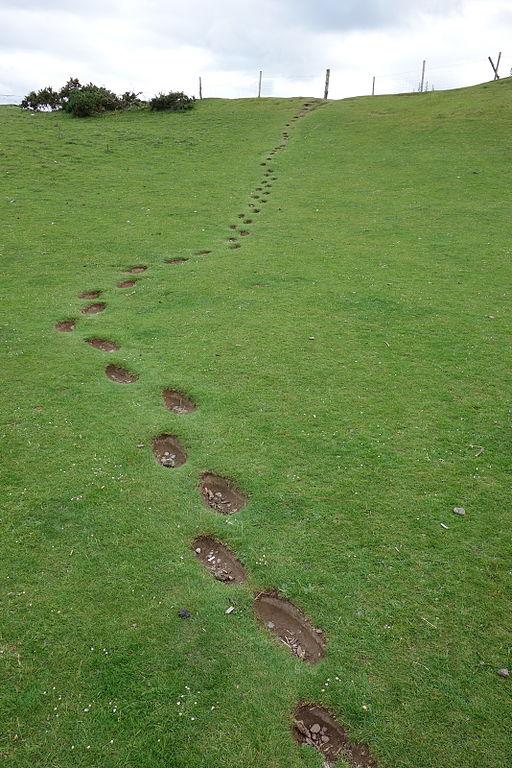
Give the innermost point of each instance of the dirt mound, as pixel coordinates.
(218, 493)
(93, 309)
(292, 628)
(65, 326)
(314, 725)
(120, 375)
(89, 294)
(103, 344)
(136, 269)
(168, 452)
(177, 260)
(177, 401)
(219, 560)
(126, 283)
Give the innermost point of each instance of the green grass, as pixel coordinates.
(387, 238)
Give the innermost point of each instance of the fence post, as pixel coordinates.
(422, 76)
(259, 85)
(373, 86)
(200, 89)
(327, 77)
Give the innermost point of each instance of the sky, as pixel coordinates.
(163, 45)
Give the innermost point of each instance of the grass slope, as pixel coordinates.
(349, 362)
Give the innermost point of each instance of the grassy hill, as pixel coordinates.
(350, 363)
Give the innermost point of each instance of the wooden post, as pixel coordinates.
(259, 85)
(373, 86)
(422, 76)
(495, 68)
(200, 89)
(327, 77)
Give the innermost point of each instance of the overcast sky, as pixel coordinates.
(166, 44)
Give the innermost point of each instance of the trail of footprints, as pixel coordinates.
(312, 724)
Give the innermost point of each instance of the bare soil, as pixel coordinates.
(219, 494)
(93, 309)
(168, 452)
(317, 727)
(65, 326)
(178, 402)
(290, 625)
(103, 344)
(218, 559)
(120, 375)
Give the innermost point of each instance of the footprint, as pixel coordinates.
(103, 344)
(177, 401)
(176, 260)
(290, 625)
(120, 375)
(136, 269)
(168, 452)
(90, 294)
(126, 283)
(93, 309)
(202, 253)
(219, 560)
(219, 494)
(65, 326)
(316, 726)
(244, 232)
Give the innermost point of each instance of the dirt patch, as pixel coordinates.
(176, 260)
(292, 628)
(65, 326)
(204, 252)
(231, 239)
(244, 232)
(136, 269)
(93, 309)
(218, 493)
(126, 283)
(219, 560)
(120, 375)
(247, 221)
(256, 210)
(168, 452)
(177, 401)
(314, 725)
(103, 344)
(89, 294)
(232, 226)
(234, 245)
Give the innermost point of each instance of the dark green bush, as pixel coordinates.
(91, 100)
(176, 101)
(46, 98)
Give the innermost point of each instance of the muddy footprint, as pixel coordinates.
(104, 344)
(290, 625)
(219, 560)
(219, 494)
(178, 402)
(316, 726)
(93, 309)
(120, 375)
(168, 452)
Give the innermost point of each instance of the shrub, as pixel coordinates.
(130, 99)
(91, 100)
(176, 101)
(46, 98)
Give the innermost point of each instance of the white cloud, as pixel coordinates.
(157, 45)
